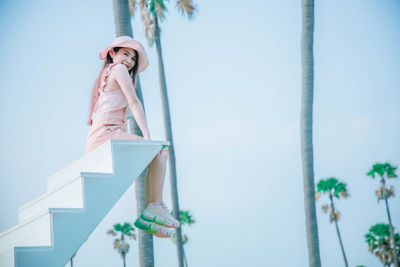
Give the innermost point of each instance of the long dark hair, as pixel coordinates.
(133, 71)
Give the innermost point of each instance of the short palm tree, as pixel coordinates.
(334, 189)
(379, 239)
(119, 243)
(186, 218)
(385, 169)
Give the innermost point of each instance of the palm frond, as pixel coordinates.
(117, 227)
(111, 232)
(132, 236)
(127, 228)
(332, 187)
(186, 7)
(123, 248)
(186, 217)
(344, 194)
(148, 26)
(185, 239)
(391, 191)
(337, 215)
(381, 169)
(159, 9)
(325, 208)
(332, 216)
(117, 244)
(132, 7)
(142, 3)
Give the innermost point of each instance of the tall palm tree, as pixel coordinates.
(334, 189)
(383, 169)
(307, 67)
(123, 26)
(379, 239)
(153, 12)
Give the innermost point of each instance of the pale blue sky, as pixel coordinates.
(234, 82)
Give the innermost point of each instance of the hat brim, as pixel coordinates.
(135, 45)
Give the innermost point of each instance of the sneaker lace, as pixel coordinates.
(164, 206)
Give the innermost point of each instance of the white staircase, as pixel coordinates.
(52, 227)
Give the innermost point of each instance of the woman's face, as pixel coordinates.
(125, 56)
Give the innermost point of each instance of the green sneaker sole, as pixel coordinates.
(154, 219)
(146, 228)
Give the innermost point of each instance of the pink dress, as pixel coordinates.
(109, 116)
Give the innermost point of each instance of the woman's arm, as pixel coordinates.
(124, 80)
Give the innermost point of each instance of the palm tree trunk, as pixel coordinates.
(338, 233)
(168, 129)
(146, 250)
(123, 26)
(396, 260)
(306, 130)
(341, 244)
(122, 18)
(123, 257)
(185, 259)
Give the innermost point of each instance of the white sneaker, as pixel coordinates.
(160, 215)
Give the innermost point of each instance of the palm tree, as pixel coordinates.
(119, 243)
(153, 13)
(123, 27)
(383, 169)
(186, 218)
(307, 67)
(379, 239)
(333, 188)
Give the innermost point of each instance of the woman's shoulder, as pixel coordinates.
(120, 74)
(118, 67)
(119, 70)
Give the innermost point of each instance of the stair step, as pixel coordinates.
(68, 195)
(34, 232)
(98, 160)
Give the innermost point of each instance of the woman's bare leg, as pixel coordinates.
(155, 177)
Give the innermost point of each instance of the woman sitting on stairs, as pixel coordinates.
(113, 92)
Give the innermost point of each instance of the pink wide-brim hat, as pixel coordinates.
(126, 41)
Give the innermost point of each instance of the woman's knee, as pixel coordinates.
(162, 155)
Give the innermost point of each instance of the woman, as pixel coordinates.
(113, 92)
